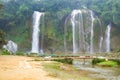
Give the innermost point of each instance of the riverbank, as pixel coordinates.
(26, 68)
(31, 68)
(21, 68)
(67, 72)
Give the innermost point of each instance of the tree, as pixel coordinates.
(1, 6)
(2, 38)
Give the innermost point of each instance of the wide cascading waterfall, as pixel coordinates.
(92, 33)
(79, 42)
(82, 39)
(35, 36)
(108, 38)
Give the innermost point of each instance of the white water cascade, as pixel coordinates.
(35, 36)
(75, 29)
(108, 38)
(81, 33)
(101, 36)
(92, 33)
(100, 44)
(84, 33)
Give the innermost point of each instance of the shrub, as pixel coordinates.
(65, 60)
(5, 52)
(116, 60)
(97, 60)
(107, 64)
(32, 54)
(118, 50)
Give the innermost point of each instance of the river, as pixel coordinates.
(100, 73)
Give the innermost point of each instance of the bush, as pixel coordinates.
(116, 60)
(5, 52)
(65, 60)
(32, 54)
(118, 50)
(97, 60)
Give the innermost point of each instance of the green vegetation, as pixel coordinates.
(118, 50)
(97, 60)
(20, 53)
(5, 52)
(116, 60)
(65, 60)
(107, 64)
(65, 71)
(2, 38)
(16, 18)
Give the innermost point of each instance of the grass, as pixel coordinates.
(107, 64)
(55, 55)
(65, 71)
(20, 53)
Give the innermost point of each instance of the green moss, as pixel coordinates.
(107, 64)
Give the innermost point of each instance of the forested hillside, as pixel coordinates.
(16, 19)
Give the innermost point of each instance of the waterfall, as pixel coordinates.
(76, 29)
(92, 33)
(79, 41)
(101, 36)
(100, 44)
(65, 42)
(81, 32)
(11, 47)
(108, 38)
(82, 28)
(35, 36)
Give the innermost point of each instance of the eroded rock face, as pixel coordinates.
(11, 47)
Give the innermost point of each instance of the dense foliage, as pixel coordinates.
(2, 39)
(16, 17)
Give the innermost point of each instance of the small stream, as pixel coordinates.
(100, 73)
